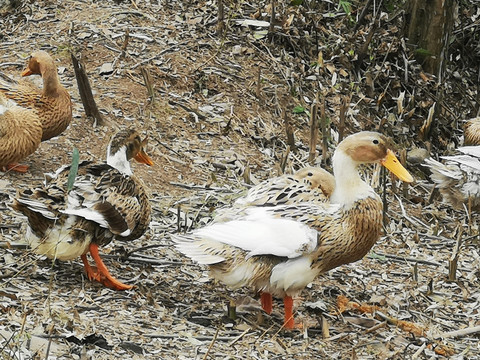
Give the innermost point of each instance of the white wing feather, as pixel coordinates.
(260, 233)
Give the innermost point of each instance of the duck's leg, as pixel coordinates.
(288, 304)
(17, 167)
(266, 300)
(102, 274)
(91, 274)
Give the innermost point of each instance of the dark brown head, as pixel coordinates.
(125, 145)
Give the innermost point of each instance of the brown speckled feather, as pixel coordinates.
(20, 134)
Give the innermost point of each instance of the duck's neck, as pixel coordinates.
(51, 83)
(349, 186)
(119, 161)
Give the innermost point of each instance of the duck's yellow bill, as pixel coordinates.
(391, 163)
(143, 158)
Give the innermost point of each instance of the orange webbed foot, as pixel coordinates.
(101, 273)
(16, 167)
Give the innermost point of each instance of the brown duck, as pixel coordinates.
(52, 103)
(20, 134)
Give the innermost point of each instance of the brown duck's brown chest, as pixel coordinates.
(352, 237)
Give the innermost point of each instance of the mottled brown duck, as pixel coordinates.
(106, 202)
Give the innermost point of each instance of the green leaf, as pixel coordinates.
(298, 109)
(73, 169)
(422, 52)
(373, 255)
(346, 6)
(260, 34)
(296, 2)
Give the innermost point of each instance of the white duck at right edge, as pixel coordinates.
(279, 249)
(458, 179)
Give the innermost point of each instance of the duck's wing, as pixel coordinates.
(280, 231)
(23, 93)
(104, 195)
(100, 193)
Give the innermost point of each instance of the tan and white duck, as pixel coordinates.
(277, 250)
(52, 103)
(20, 135)
(106, 202)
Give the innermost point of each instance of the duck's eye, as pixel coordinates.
(310, 174)
(376, 142)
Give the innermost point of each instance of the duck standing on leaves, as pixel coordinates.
(106, 202)
(278, 249)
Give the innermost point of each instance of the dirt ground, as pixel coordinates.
(214, 129)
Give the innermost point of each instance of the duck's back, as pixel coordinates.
(20, 133)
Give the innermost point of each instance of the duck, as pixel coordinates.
(312, 183)
(52, 103)
(471, 132)
(278, 249)
(20, 135)
(307, 183)
(106, 202)
(458, 179)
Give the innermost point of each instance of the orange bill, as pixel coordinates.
(27, 72)
(391, 163)
(143, 158)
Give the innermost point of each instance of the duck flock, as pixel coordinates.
(275, 240)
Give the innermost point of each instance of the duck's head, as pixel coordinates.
(38, 62)
(370, 147)
(318, 178)
(124, 146)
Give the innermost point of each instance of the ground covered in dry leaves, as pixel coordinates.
(216, 124)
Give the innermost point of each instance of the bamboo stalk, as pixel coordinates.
(313, 133)
(220, 18)
(289, 132)
(271, 28)
(125, 43)
(403, 161)
(453, 261)
(85, 91)
(232, 310)
(259, 79)
(325, 128)
(343, 112)
(148, 83)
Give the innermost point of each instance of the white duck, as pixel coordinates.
(459, 178)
